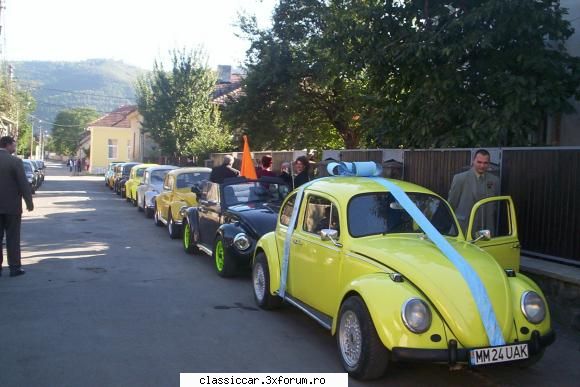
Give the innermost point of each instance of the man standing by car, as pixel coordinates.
(224, 171)
(471, 186)
(14, 187)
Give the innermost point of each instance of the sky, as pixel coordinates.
(134, 31)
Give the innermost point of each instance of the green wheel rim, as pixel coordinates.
(186, 236)
(219, 256)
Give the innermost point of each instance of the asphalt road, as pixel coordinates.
(109, 300)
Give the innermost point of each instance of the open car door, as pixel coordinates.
(493, 227)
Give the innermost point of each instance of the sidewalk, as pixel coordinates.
(561, 285)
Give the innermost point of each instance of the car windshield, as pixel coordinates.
(253, 192)
(127, 169)
(188, 179)
(158, 176)
(380, 213)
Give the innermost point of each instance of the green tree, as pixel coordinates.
(301, 79)
(17, 105)
(177, 109)
(477, 73)
(68, 127)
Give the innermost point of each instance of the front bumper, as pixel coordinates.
(453, 355)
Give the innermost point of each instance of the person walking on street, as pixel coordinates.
(224, 171)
(470, 186)
(15, 187)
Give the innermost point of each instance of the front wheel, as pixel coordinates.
(362, 353)
(172, 228)
(225, 265)
(261, 282)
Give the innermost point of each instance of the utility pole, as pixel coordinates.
(31, 138)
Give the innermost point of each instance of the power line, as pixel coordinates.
(53, 123)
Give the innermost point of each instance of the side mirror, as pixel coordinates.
(328, 234)
(482, 235)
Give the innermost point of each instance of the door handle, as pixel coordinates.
(297, 241)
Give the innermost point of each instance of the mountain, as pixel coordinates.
(101, 84)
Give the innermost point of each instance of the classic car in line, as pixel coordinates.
(177, 194)
(361, 266)
(110, 173)
(135, 178)
(122, 176)
(151, 186)
(230, 217)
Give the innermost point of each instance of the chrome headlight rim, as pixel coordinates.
(523, 305)
(428, 316)
(242, 242)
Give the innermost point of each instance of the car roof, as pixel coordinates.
(348, 186)
(161, 167)
(188, 170)
(139, 166)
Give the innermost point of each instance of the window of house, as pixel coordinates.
(112, 145)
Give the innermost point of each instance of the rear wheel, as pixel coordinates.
(362, 353)
(189, 244)
(156, 219)
(149, 212)
(261, 282)
(225, 265)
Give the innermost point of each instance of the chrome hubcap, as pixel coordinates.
(259, 281)
(350, 338)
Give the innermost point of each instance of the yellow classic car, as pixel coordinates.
(384, 266)
(176, 195)
(135, 178)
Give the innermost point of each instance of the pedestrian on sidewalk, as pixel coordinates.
(15, 187)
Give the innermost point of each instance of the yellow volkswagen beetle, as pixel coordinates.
(177, 194)
(396, 280)
(135, 178)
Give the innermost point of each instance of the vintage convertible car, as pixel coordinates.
(177, 194)
(230, 218)
(135, 178)
(151, 186)
(395, 279)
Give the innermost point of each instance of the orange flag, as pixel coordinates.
(247, 169)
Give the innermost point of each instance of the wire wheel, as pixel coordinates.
(350, 338)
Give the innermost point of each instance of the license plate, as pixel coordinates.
(498, 354)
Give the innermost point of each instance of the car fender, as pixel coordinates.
(384, 299)
(267, 245)
(518, 285)
(175, 208)
(150, 198)
(191, 216)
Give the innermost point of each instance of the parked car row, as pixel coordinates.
(382, 264)
(35, 171)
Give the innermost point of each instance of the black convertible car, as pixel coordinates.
(230, 217)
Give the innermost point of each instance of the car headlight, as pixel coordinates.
(533, 307)
(416, 315)
(242, 242)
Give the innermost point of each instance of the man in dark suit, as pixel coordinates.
(224, 171)
(14, 187)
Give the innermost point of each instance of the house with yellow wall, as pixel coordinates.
(117, 136)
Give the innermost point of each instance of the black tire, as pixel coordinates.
(139, 208)
(189, 242)
(225, 265)
(149, 212)
(156, 220)
(172, 228)
(123, 194)
(261, 284)
(372, 359)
